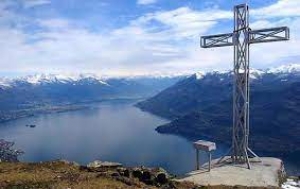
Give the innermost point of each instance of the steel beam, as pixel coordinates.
(269, 35)
(220, 40)
(240, 130)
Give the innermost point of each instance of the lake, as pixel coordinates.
(109, 131)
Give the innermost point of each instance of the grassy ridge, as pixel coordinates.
(59, 174)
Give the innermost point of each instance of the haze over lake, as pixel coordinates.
(111, 131)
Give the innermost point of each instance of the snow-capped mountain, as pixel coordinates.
(256, 73)
(5, 83)
(201, 107)
(217, 85)
(292, 68)
(87, 78)
(72, 88)
(34, 92)
(42, 79)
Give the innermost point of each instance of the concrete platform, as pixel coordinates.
(264, 173)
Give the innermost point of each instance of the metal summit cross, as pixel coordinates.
(241, 38)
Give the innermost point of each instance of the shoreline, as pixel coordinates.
(13, 115)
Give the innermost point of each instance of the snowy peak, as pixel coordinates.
(4, 83)
(200, 75)
(39, 79)
(58, 78)
(292, 68)
(255, 73)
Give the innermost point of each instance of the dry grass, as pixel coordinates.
(56, 175)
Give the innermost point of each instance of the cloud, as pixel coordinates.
(33, 3)
(165, 41)
(146, 2)
(278, 53)
(150, 42)
(183, 22)
(54, 23)
(282, 8)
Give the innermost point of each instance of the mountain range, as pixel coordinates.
(200, 107)
(42, 93)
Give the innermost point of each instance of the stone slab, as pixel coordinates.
(205, 145)
(264, 172)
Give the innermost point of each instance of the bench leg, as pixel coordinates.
(197, 160)
(209, 161)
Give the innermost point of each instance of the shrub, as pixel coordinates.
(7, 154)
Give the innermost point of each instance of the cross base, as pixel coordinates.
(239, 159)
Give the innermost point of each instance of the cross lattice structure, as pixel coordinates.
(240, 39)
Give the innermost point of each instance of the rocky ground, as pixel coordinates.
(64, 174)
(107, 175)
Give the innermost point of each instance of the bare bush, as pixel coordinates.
(7, 154)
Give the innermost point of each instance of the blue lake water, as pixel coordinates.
(111, 131)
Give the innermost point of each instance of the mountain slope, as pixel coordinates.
(29, 95)
(201, 107)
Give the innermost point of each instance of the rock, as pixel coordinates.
(102, 174)
(148, 178)
(104, 164)
(121, 171)
(146, 175)
(125, 180)
(64, 161)
(99, 166)
(83, 168)
(126, 173)
(162, 178)
(74, 163)
(69, 162)
(137, 173)
(160, 170)
(171, 185)
(115, 174)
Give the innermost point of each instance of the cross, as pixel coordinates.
(240, 39)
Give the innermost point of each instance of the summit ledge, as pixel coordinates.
(264, 172)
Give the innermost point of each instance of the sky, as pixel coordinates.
(135, 37)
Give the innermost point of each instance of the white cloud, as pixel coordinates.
(54, 24)
(281, 52)
(282, 8)
(184, 22)
(33, 3)
(146, 2)
(264, 23)
(162, 41)
(281, 13)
